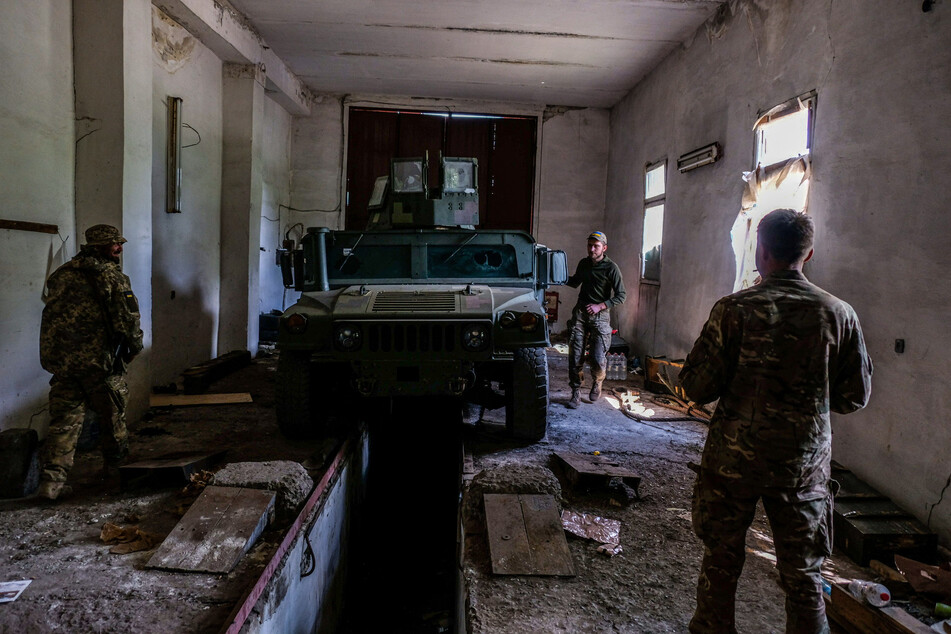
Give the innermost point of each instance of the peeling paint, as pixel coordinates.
(466, 29)
(172, 45)
(481, 60)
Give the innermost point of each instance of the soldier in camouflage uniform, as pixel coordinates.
(601, 288)
(90, 330)
(780, 356)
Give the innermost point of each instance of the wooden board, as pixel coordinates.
(589, 469)
(218, 529)
(526, 536)
(178, 400)
(857, 617)
(167, 469)
(867, 525)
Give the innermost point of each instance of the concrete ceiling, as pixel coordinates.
(549, 52)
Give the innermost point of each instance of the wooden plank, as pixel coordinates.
(525, 535)
(180, 400)
(546, 535)
(22, 225)
(857, 617)
(168, 469)
(587, 467)
(218, 529)
(508, 537)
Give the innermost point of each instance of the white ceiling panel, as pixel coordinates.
(546, 52)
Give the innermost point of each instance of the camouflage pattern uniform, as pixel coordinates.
(90, 310)
(780, 356)
(600, 282)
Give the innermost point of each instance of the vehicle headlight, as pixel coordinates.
(347, 337)
(475, 337)
(528, 321)
(508, 319)
(296, 324)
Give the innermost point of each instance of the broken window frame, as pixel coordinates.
(806, 101)
(651, 204)
(791, 174)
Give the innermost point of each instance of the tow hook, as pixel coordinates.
(364, 386)
(458, 385)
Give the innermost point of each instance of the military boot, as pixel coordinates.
(575, 398)
(595, 393)
(49, 490)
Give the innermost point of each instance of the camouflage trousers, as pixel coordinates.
(69, 399)
(802, 534)
(591, 330)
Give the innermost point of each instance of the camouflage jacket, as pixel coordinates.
(780, 356)
(90, 309)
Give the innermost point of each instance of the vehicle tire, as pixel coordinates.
(295, 398)
(526, 406)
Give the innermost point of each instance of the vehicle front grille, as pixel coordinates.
(414, 302)
(412, 337)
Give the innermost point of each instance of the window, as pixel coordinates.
(655, 190)
(780, 177)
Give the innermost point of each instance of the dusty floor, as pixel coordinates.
(79, 586)
(647, 588)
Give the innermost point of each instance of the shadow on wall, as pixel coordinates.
(184, 330)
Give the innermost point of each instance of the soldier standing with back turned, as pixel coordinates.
(90, 330)
(780, 356)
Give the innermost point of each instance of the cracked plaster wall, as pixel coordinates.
(879, 198)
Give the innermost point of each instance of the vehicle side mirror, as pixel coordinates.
(557, 267)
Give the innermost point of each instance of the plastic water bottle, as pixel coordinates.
(616, 366)
(622, 367)
(874, 593)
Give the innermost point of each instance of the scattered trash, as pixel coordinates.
(933, 581)
(11, 590)
(600, 529)
(128, 539)
(874, 593)
(609, 549)
(942, 626)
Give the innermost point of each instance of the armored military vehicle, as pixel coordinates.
(419, 304)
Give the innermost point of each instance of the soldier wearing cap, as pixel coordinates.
(779, 356)
(90, 330)
(601, 288)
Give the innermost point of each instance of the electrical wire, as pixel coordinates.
(185, 125)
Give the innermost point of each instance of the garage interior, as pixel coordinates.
(645, 119)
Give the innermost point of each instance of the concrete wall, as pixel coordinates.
(186, 245)
(276, 151)
(574, 159)
(879, 197)
(36, 185)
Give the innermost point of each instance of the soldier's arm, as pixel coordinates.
(125, 313)
(851, 384)
(575, 280)
(620, 294)
(708, 367)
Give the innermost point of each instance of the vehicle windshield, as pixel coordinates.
(433, 256)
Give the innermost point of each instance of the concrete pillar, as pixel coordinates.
(241, 187)
(112, 57)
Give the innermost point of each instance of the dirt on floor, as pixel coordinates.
(78, 585)
(649, 586)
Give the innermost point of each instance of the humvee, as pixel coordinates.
(420, 304)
